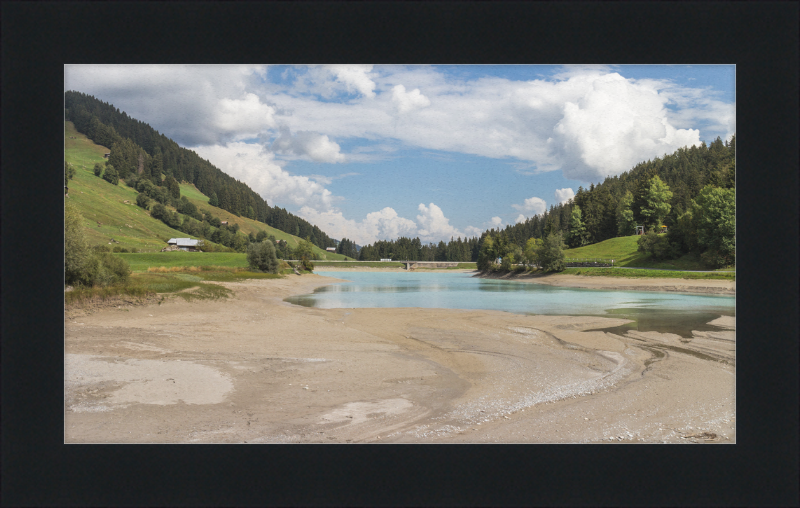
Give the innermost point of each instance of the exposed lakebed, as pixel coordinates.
(676, 313)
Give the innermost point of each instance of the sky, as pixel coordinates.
(374, 152)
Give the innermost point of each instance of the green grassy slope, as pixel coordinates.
(99, 201)
(131, 226)
(623, 251)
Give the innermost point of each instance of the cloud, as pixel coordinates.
(434, 226)
(192, 104)
(252, 164)
(354, 78)
(473, 231)
(612, 127)
(520, 218)
(383, 224)
(327, 180)
(310, 145)
(496, 222)
(587, 121)
(534, 206)
(408, 101)
(564, 195)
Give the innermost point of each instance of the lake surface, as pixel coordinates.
(650, 311)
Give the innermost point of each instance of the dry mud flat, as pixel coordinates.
(256, 369)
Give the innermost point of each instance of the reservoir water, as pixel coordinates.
(677, 313)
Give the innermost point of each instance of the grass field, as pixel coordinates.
(140, 262)
(639, 274)
(126, 223)
(623, 251)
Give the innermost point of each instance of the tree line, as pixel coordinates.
(691, 192)
(138, 149)
(414, 250)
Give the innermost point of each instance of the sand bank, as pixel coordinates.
(256, 369)
(705, 286)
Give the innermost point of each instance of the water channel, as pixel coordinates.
(677, 313)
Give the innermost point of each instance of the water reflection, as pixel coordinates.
(665, 312)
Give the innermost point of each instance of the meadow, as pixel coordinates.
(110, 220)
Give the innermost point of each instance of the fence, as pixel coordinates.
(587, 262)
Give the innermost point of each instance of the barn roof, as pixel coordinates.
(183, 242)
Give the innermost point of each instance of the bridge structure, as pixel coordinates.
(410, 265)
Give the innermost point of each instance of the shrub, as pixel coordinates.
(98, 169)
(658, 245)
(261, 256)
(551, 254)
(716, 259)
(307, 264)
(76, 250)
(111, 175)
(142, 200)
(116, 248)
(110, 270)
(84, 266)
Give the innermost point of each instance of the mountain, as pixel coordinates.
(111, 215)
(136, 147)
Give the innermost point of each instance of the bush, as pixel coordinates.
(111, 175)
(307, 264)
(98, 169)
(551, 254)
(715, 259)
(110, 270)
(261, 256)
(84, 266)
(142, 200)
(76, 250)
(658, 245)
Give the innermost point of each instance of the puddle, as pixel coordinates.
(677, 322)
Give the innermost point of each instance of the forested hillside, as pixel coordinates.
(138, 149)
(691, 192)
(136, 215)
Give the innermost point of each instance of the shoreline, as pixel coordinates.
(256, 369)
(694, 286)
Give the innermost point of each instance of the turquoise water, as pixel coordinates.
(665, 312)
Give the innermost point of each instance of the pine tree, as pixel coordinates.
(577, 230)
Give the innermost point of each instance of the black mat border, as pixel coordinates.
(38, 38)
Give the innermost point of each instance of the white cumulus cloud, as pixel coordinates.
(520, 218)
(383, 224)
(407, 101)
(354, 78)
(564, 195)
(311, 145)
(434, 226)
(533, 206)
(612, 127)
(252, 164)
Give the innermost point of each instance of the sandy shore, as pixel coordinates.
(256, 369)
(706, 286)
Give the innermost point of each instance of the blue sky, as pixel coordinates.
(374, 152)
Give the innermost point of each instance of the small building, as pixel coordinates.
(106, 155)
(386, 259)
(186, 244)
(224, 223)
(330, 249)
